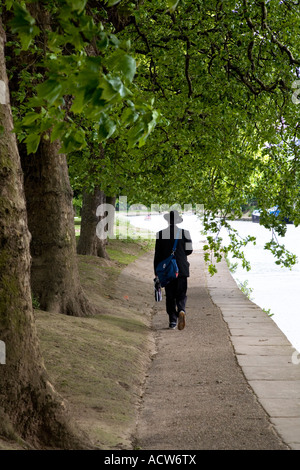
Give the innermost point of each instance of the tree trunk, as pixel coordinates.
(28, 402)
(89, 243)
(111, 200)
(54, 274)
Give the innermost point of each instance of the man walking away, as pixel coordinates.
(176, 290)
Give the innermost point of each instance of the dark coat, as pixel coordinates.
(164, 245)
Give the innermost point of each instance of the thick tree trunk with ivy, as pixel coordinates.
(29, 406)
(89, 243)
(54, 274)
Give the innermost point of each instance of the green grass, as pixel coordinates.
(98, 364)
(125, 234)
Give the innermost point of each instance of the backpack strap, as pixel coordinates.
(176, 241)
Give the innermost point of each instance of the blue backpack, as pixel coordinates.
(167, 270)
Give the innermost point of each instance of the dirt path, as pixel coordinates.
(195, 396)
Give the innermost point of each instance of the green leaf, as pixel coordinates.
(112, 89)
(77, 5)
(50, 90)
(123, 63)
(111, 3)
(9, 4)
(73, 141)
(23, 24)
(212, 269)
(54, 42)
(46, 124)
(172, 4)
(58, 130)
(135, 134)
(106, 127)
(103, 41)
(29, 118)
(78, 103)
(32, 143)
(129, 116)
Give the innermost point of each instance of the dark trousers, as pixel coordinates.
(176, 298)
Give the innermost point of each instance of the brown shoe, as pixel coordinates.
(181, 320)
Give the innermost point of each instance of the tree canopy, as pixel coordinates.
(89, 72)
(224, 75)
(216, 81)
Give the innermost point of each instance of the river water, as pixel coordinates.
(273, 288)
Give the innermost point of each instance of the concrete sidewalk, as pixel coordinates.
(225, 382)
(269, 362)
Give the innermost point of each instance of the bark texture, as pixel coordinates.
(28, 402)
(54, 275)
(89, 243)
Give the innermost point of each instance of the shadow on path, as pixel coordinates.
(196, 395)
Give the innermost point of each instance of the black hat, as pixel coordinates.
(173, 218)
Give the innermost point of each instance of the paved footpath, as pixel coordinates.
(269, 362)
(226, 381)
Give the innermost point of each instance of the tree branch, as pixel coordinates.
(186, 69)
(274, 39)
